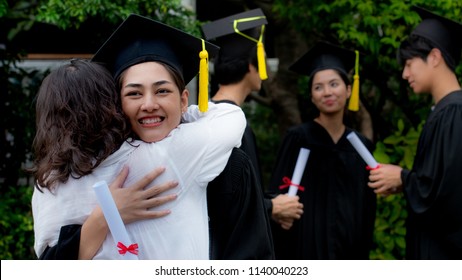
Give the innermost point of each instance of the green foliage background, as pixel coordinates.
(17, 235)
(389, 236)
(375, 27)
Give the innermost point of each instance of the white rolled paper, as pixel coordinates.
(298, 171)
(114, 221)
(362, 150)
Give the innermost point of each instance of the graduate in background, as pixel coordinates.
(240, 69)
(432, 188)
(239, 221)
(339, 208)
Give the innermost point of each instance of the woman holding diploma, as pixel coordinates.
(77, 115)
(339, 208)
(151, 63)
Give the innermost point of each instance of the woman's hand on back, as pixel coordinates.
(134, 201)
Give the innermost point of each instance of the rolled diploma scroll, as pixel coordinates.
(114, 221)
(362, 150)
(298, 171)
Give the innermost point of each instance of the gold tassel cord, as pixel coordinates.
(353, 105)
(260, 48)
(203, 99)
(261, 57)
(261, 61)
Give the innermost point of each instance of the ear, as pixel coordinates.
(252, 68)
(435, 57)
(348, 89)
(184, 100)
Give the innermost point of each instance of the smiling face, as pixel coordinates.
(329, 92)
(152, 100)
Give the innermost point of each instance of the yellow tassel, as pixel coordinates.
(203, 98)
(353, 105)
(260, 48)
(261, 61)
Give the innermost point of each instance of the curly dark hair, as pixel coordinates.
(79, 122)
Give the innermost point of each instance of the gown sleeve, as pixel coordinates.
(437, 162)
(284, 240)
(239, 224)
(433, 186)
(67, 247)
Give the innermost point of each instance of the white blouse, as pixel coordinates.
(194, 154)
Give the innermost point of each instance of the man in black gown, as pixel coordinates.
(432, 188)
(239, 211)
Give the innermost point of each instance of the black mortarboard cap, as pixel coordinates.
(324, 56)
(328, 56)
(239, 35)
(140, 39)
(444, 33)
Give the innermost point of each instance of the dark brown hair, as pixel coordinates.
(79, 122)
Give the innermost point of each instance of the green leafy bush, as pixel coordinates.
(390, 229)
(16, 222)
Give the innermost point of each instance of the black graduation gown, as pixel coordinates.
(67, 247)
(239, 225)
(433, 188)
(339, 207)
(249, 146)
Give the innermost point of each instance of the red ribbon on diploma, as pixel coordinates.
(133, 248)
(288, 183)
(370, 168)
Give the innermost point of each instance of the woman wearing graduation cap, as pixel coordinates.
(433, 189)
(192, 143)
(339, 208)
(80, 127)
